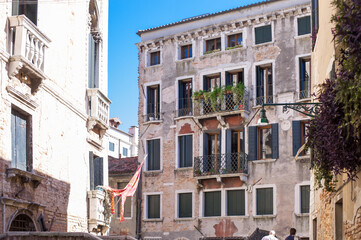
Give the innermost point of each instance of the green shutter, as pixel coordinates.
(304, 25)
(252, 143)
(185, 205)
(189, 151)
(263, 34)
(153, 206)
(153, 147)
(98, 171)
(235, 203)
(275, 149)
(305, 199)
(212, 204)
(264, 200)
(296, 136)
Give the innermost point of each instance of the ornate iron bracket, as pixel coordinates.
(308, 109)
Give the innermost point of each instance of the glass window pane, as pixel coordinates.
(185, 205)
(212, 204)
(232, 41)
(265, 143)
(235, 203)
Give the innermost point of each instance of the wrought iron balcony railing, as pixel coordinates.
(264, 100)
(153, 113)
(220, 164)
(185, 107)
(28, 46)
(226, 104)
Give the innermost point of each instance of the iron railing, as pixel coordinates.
(227, 103)
(219, 164)
(264, 100)
(185, 107)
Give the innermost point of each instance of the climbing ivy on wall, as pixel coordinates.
(335, 135)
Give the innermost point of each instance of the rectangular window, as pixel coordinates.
(153, 103)
(154, 58)
(153, 149)
(185, 205)
(235, 40)
(263, 34)
(96, 171)
(127, 204)
(111, 146)
(211, 152)
(21, 141)
(236, 203)
(125, 152)
(305, 78)
(305, 199)
(185, 98)
(186, 51)
(213, 44)
(264, 201)
(153, 206)
(210, 82)
(304, 25)
(235, 161)
(299, 135)
(234, 77)
(93, 64)
(264, 88)
(185, 146)
(212, 204)
(265, 142)
(29, 8)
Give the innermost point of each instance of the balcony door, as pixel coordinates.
(264, 84)
(235, 156)
(185, 98)
(211, 152)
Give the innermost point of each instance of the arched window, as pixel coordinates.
(22, 223)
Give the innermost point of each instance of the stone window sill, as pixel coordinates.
(153, 66)
(183, 117)
(184, 59)
(302, 214)
(303, 36)
(184, 169)
(152, 173)
(153, 121)
(153, 220)
(24, 176)
(264, 216)
(264, 44)
(304, 100)
(264, 161)
(306, 157)
(183, 219)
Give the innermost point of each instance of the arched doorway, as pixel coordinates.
(22, 223)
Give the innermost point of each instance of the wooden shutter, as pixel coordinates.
(181, 94)
(189, 151)
(212, 204)
(296, 137)
(91, 62)
(205, 87)
(228, 148)
(185, 205)
(91, 170)
(181, 151)
(264, 199)
(150, 150)
(259, 87)
(235, 203)
(304, 25)
(252, 143)
(19, 128)
(156, 154)
(305, 199)
(275, 148)
(263, 34)
(158, 101)
(98, 171)
(128, 207)
(228, 79)
(153, 206)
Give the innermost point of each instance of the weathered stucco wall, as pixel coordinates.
(282, 173)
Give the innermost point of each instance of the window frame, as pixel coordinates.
(111, 149)
(262, 25)
(177, 150)
(190, 51)
(297, 205)
(254, 192)
(157, 57)
(117, 210)
(264, 64)
(297, 28)
(145, 198)
(303, 58)
(213, 75)
(145, 109)
(176, 213)
(234, 34)
(245, 201)
(125, 155)
(204, 44)
(178, 81)
(148, 57)
(160, 155)
(259, 150)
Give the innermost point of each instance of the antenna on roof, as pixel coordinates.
(195, 17)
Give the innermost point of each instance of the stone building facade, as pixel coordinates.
(213, 168)
(54, 114)
(333, 215)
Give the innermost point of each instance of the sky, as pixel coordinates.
(126, 17)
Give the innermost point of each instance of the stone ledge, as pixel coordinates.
(24, 176)
(264, 216)
(264, 161)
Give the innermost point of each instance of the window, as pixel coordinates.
(304, 25)
(263, 34)
(211, 152)
(153, 149)
(186, 51)
(153, 103)
(153, 206)
(185, 205)
(127, 204)
(21, 141)
(299, 129)
(234, 77)
(263, 142)
(212, 204)
(22, 223)
(213, 44)
(93, 64)
(264, 88)
(305, 78)
(185, 148)
(305, 199)
(154, 58)
(235, 161)
(27, 7)
(236, 203)
(96, 171)
(235, 40)
(125, 152)
(111, 146)
(185, 98)
(209, 82)
(264, 201)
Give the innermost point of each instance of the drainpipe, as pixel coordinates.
(138, 229)
(3, 214)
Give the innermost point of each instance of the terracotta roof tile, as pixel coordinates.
(122, 165)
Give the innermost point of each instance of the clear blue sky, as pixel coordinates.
(126, 17)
